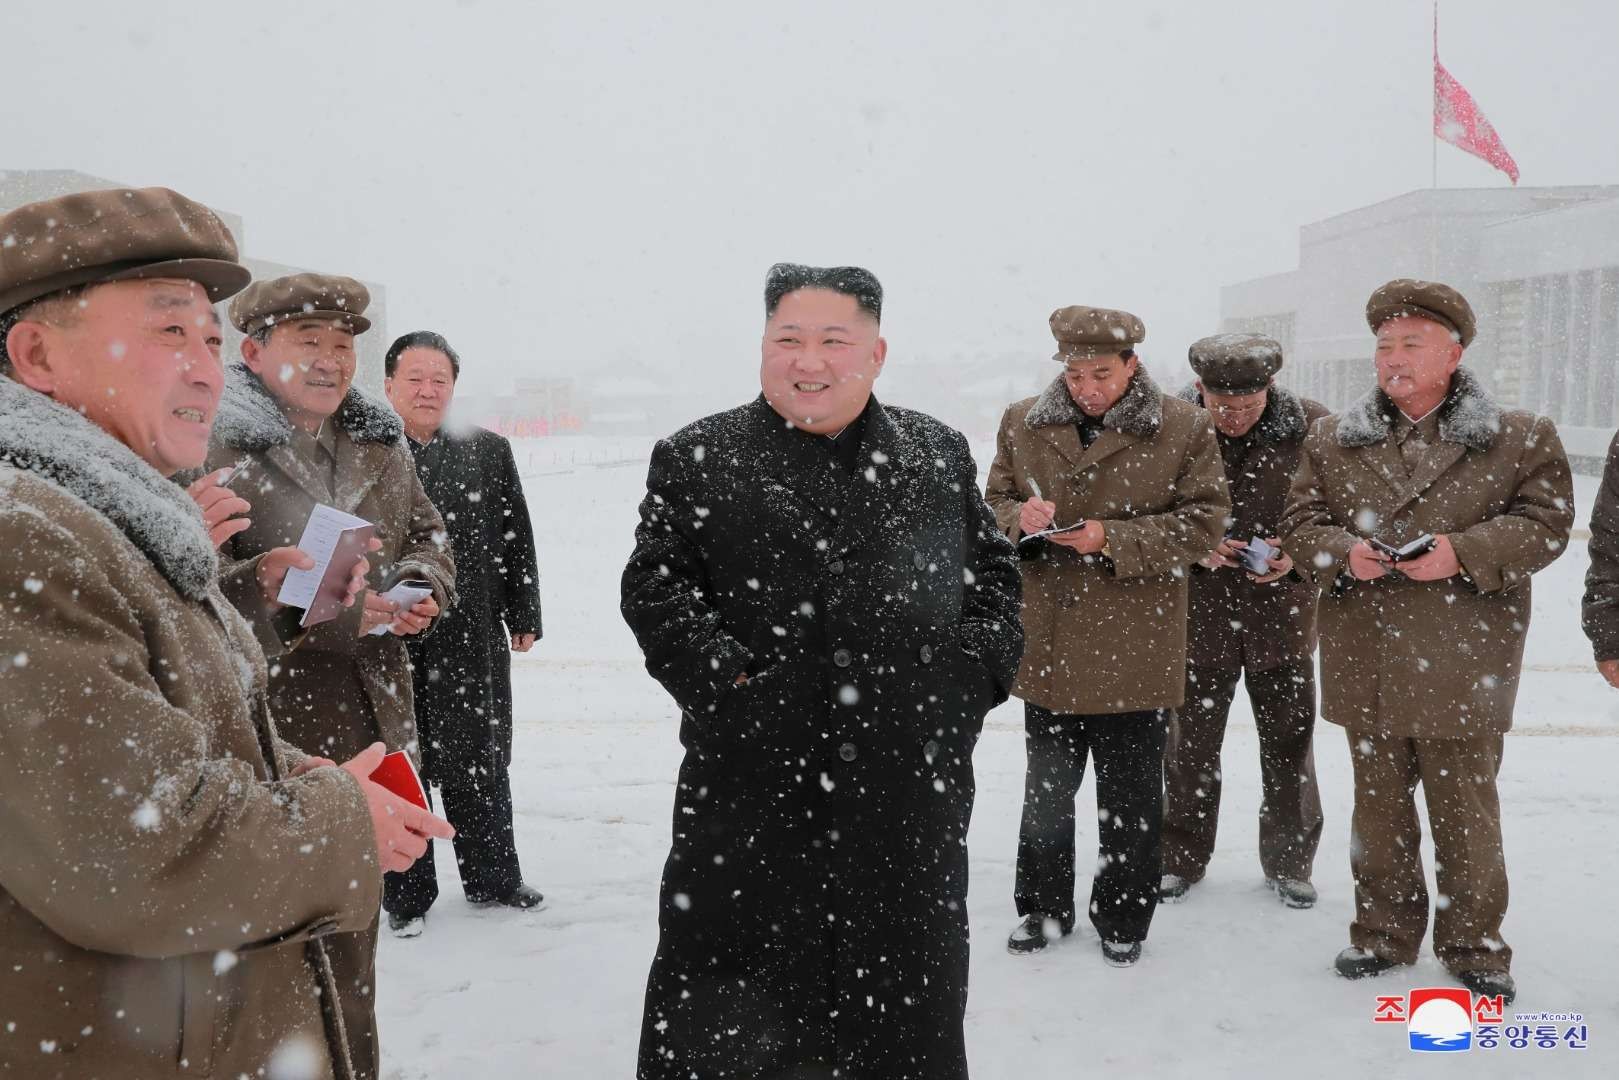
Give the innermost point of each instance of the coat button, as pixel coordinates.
(919, 560)
(930, 750)
(836, 566)
(847, 751)
(843, 658)
(926, 653)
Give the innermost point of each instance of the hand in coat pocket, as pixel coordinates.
(975, 678)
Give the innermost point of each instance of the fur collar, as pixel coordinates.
(1468, 416)
(1139, 412)
(1282, 421)
(56, 444)
(251, 419)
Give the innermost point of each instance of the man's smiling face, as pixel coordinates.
(820, 355)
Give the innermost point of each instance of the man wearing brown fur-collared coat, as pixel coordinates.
(1104, 614)
(1420, 658)
(1253, 626)
(309, 438)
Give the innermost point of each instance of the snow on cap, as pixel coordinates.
(1425, 300)
(114, 235)
(302, 296)
(1084, 333)
(1235, 363)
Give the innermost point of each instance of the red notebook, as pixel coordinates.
(398, 775)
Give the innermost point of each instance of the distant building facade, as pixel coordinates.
(23, 186)
(1539, 265)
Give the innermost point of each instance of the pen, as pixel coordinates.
(1034, 487)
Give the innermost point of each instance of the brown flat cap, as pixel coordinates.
(1235, 363)
(1426, 300)
(1086, 332)
(312, 296)
(114, 235)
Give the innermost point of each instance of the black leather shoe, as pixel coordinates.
(523, 897)
(1292, 892)
(1489, 984)
(1121, 953)
(406, 926)
(1172, 888)
(1035, 932)
(1355, 963)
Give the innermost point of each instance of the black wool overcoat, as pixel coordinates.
(813, 907)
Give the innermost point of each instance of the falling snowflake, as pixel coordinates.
(146, 816)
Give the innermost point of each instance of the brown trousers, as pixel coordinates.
(1289, 816)
(354, 965)
(322, 708)
(1385, 850)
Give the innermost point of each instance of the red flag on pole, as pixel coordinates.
(1458, 120)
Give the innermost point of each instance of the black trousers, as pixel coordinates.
(480, 808)
(1129, 752)
(1290, 815)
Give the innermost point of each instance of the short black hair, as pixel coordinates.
(420, 339)
(855, 281)
(54, 302)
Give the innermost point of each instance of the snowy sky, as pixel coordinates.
(563, 187)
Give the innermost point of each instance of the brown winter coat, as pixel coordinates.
(333, 692)
(1599, 614)
(1108, 635)
(1234, 622)
(158, 889)
(1437, 659)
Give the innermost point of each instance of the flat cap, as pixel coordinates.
(115, 235)
(1083, 333)
(1235, 363)
(310, 296)
(1426, 300)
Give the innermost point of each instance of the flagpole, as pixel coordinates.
(1433, 220)
(1434, 135)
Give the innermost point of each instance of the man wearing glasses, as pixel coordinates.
(1251, 616)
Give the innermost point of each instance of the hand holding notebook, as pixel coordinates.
(336, 541)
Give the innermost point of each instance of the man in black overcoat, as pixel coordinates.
(818, 584)
(462, 672)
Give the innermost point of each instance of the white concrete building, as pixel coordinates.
(1539, 265)
(20, 187)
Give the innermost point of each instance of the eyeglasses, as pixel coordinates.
(1237, 410)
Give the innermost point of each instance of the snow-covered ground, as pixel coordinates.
(1231, 983)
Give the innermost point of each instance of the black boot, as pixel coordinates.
(406, 926)
(1035, 932)
(1355, 963)
(524, 897)
(1121, 953)
(1490, 983)
(1172, 889)
(1293, 893)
